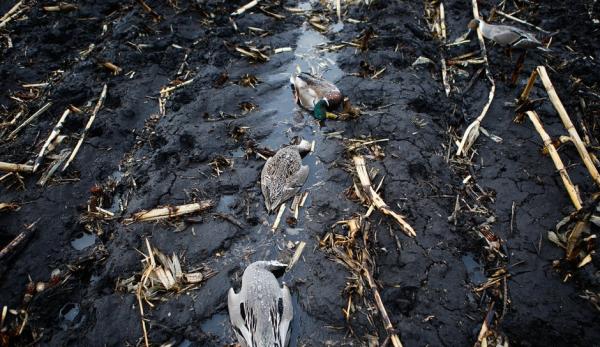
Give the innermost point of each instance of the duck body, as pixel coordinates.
(262, 310)
(507, 36)
(315, 94)
(283, 175)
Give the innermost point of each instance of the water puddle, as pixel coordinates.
(70, 316)
(226, 204)
(83, 241)
(290, 120)
(475, 271)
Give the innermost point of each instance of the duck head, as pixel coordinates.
(320, 110)
(474, 24)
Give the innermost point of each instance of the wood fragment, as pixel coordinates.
(278, 218)
(6, 206)
(55, 132)
(564, 117)
(573, 194)
(169, 212)
(297, 255)
(87, 127)
(112, 67)
(30, 119)
(61, 7)
(244, 8)
(375, 199)
(10, 167)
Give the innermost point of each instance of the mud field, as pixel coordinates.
(200, 142)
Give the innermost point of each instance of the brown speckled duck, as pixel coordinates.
(283, 175)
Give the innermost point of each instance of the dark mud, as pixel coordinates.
(143, 160)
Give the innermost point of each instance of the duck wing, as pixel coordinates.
(511, 36)
(295, 182)
(286, 314)
(276, 174)
(321, 86)
(238, 318)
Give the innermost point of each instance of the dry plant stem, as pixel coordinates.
(382, 311)
(169, 212)
(585, 156)
(375, 199)
(13, 13)
(528, 87)
(10, 167)
(473, 130)
(87, 127)
(149, 9)
(575, 199)
(30, 119)
(55, 132)
(297, 255)
(15, 245)
(245, 8)
(278, 218)
(442, 21)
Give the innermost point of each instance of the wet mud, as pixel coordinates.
(140, 159)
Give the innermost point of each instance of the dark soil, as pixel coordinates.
(142, 159)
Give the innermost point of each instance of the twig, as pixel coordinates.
(55, 131)
(521, 21)
(472, 132)
(10, 167)
(575, 199)
(30, 119)
(169, 212)
(87, 127)
(375, 199)
(585, 156)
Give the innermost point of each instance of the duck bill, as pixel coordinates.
(329, 115)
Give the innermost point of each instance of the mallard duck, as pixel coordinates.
(283, 175)
(506, 35)
(316, 94)
(262, 311)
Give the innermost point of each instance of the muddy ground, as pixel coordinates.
(143, 159)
